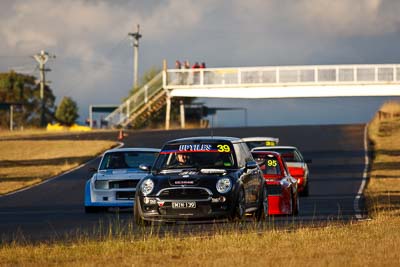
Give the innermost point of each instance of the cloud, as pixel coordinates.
(90, 38)
(322, 17)
(350, 18)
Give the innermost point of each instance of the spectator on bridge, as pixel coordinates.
(205, 74)
(186, 66)
(178, 64)
(196, 74)
(179, 76)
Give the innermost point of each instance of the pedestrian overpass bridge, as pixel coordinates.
(256, 82)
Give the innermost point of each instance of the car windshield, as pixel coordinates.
(289, 155)
(199, 156)
(270, 163)
(127, 159)
(253, 144)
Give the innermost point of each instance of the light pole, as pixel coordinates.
(135, 36)
(42, 58)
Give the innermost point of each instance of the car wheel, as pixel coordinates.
(240, 208)
(305, 191)
(89, 209)
(295, 204)
(137, 214)
(262, 211)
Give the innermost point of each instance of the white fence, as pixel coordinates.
(378, 80)
(280, 76)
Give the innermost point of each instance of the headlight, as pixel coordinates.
(147, 186)
(224, 185)
(99, 184)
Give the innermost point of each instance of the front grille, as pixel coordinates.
(125, 195)
(184, 193)
(200, 210)
(274, 190)
(123, 184)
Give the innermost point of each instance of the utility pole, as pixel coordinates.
(42, 58)
(135, 37)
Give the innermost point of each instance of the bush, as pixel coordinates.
(67, 112)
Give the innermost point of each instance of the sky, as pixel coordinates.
(94, 56)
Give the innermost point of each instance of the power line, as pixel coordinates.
(8, 56)
(70, 61)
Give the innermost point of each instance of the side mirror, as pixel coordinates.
(251, 165)
(308, 161)
(145, 167)
(92, 169)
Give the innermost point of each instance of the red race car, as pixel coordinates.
(296, 164)
(281, 186)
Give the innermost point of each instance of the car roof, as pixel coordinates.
(260, 138)
(272, 148)
(133, 149)
(204, 139)
(267, 152)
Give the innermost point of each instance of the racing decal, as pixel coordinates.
(272, 163)
(270, 143)
(223, 148)
(202, 147)
(212, 148)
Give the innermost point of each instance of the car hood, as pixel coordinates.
(120, 174)
(201, 177)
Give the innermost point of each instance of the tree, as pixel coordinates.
(67, 112)
(23, 90)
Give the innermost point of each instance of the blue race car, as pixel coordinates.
(114, 182)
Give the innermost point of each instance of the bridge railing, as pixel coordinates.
(290, 75)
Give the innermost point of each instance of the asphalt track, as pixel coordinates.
(54, 210)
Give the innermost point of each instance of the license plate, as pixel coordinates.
(184, 205)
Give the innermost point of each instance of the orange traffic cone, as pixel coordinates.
(120, 135)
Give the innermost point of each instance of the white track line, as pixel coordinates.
(364, 178)
(55, 177)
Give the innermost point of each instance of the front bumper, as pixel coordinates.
(161, 210)
(278, 201)
(108, 197)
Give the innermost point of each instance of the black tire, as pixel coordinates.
(240, 208)
(262, 211)
(137, 214)
(90, 209)
(295, 205)
(305, 191)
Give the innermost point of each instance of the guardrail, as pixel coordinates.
(280, 76)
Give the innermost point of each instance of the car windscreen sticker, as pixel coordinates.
(211, 148)
(270, 143)
(197, 147)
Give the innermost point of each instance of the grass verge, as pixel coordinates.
(25, 162)
(360, 244)
(383, 191)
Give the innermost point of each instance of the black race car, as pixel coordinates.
(201, 178)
